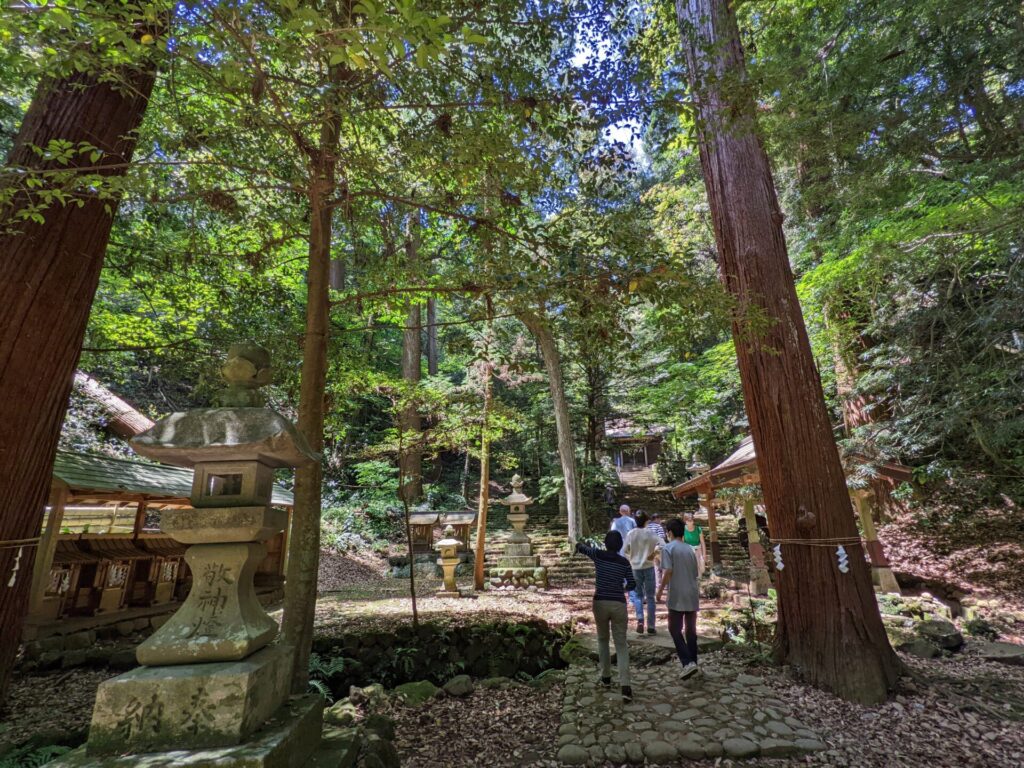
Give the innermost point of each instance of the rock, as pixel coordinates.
(745, 679)
(52, 643)
(660, 752)
(80, 640)
(777, 748)
(416, 693)
(567, 728)
(922, 649)
(372, 695)
(942, 633)
(380, 724)
(343, 713)
(379, 753)
(158, 621)
(615, 753)
(574, 652)
(713, 749)
(97, 657)
(1004, 653)
(809, 745)
(459, 686)
(634, 752)
(547, 679)
(739, 748)
(573, 754)
(690, 749)
(50, 660)
(76, 658)
(779, 728)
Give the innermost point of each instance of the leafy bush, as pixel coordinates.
(32, 755)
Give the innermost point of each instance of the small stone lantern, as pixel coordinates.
(517, 503)
(449, 560)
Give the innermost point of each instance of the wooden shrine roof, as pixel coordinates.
(109, 478)
(740, 468)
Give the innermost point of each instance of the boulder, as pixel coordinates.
(80, 640)
(1004, 653)
(416, 693)
(739, 747)
(459, 686)
(942, 633)
(920, 648)
(343, 713)
(659, 752)
(76, 658)
(495, 682)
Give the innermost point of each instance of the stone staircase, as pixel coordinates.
(636, 478)
(548, 537)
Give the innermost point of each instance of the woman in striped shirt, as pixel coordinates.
(613, 578)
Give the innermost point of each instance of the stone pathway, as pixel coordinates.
(722, 711)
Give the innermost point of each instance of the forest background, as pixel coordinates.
(483, 177)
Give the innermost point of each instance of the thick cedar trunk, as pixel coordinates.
(829, 627)
(563, 427)
(48, 277)
(411, 459)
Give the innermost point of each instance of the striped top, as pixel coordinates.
(613, 574)
(658, 529)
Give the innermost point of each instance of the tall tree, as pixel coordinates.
(57, 205)
(411, 459)
(829, 627)
(541, 331)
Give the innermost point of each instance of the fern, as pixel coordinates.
(31, 757)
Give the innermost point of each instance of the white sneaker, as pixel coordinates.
(689, 670)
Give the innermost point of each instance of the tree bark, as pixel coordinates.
(411, 459)
(304, 541)
(123, 419)
(485, 458)
(48, 277)
(432, 337)
(563, 426)
(829, 627)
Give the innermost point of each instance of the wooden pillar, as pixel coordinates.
(716, 552)
(760, 582)
(140, 520)
(882, 575)
(47, 546)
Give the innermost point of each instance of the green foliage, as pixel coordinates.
(32, 755)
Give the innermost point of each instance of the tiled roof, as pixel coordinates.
(84, 472)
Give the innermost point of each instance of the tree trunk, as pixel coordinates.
(432, 337)
(122, 419)
(829, 628)
(485, 484)
(566, 448)
(411, 459)
(48, 277)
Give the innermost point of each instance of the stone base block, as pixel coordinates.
(189, 705)
(520, 561)
(222, 619)
(288, 740)
(518, 550)
(518, 578)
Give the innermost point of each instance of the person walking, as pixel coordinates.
(624, 523)
(694, 536)
(641, 549)
(613, 577)
(654, 523)
(679, 563)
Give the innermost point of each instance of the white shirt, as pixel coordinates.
(641, 546)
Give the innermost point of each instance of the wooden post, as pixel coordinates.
(140, 520)
(716, 552)
(47, 546)
(760, 582)
(882, 574)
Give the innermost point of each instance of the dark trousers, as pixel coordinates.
(682, 625)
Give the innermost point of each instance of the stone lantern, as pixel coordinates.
(448, 547)
(517, 502)
(519, 568)
(212, 678)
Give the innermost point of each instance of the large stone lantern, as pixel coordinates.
(212, 678)
(519, 568)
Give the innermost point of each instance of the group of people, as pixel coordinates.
(641, 560)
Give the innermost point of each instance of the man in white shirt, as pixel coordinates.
(641, 549)
(624, 523)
